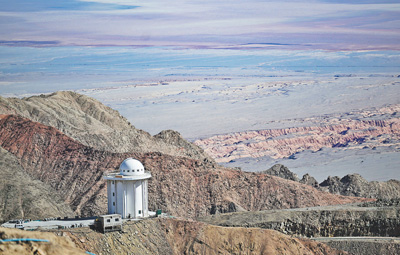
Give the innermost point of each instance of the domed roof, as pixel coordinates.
(131, 166)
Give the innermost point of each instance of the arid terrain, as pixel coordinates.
(76, 171)
(376, 129)
(53, 174)
(334, 137)
(268, 127)
(165, 236)
(320, 124)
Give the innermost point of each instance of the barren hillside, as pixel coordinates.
(174, 236)
(96, 125)
(21, 196)
(76, 171)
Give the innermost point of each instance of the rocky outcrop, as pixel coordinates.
(319, 221)
(174, 236)
(283, 172)
(350, 185)
(180, 186)
(283, 143)
(96, 125)
(23, 197)
(309, 180)
(356, 185)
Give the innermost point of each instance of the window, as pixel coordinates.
(127, 171)
(113, 203)
(116, 219)
(112, 182)
(140, 211)
(113, 194)
(108, 220)
(137, 170)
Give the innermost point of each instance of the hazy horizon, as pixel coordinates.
(207, 67)
(79, 44)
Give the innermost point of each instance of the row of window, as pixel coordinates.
(116, 219)
(132, 170)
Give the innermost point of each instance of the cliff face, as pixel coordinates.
(330, 221)
(334, 132)
(181, 186)
(96, 125)
(362, 246)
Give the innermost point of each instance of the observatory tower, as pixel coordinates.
(127, 190)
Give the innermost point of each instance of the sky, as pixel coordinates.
(48, 45)
(231, 24)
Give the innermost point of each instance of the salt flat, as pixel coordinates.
(201, 107)
(204, 107)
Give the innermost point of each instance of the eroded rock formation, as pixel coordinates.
(181, 186)
(281, 143)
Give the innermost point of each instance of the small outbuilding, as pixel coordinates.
(108, 223)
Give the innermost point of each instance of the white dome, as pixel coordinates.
(131, 166)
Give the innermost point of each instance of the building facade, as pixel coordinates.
(127, 191)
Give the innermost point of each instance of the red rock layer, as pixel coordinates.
(280, 143)
(180, 186)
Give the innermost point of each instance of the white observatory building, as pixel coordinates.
(127, 190)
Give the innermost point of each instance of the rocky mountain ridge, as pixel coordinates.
(75, 171)
(349, 185)
(96, 125)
